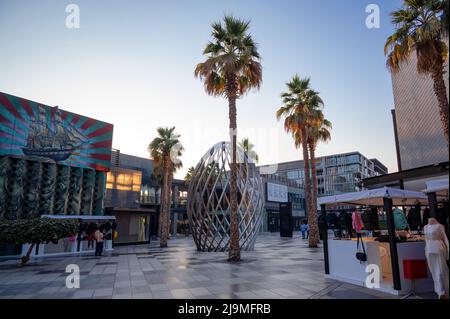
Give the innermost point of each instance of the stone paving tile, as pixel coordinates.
(200, 291)
(206, 297)
(124, 296)
(83, 294)
(143, 296)
(158, 287)
(182, 293)
(277, 268)
(103, 292)
(162, 295)
(266, 293)
(284, 292)
(246, 295)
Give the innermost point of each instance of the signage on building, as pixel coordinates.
(33, 130)
(277, 193)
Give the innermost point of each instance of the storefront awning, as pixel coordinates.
(375, 197)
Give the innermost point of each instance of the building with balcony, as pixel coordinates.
(336, 174)
(134, 198)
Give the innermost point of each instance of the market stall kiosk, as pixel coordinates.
(65, 246)
(386, 256)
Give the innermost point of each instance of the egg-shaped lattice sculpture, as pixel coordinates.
(209, 206)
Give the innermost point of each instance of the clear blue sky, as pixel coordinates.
(131, 64)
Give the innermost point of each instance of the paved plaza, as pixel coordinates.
(278, 268)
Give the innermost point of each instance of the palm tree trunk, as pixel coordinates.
(307, 182)
(169, 199)
(234, 253)
(26, 258)
(163, 217)
(441, 93)
(313, 226)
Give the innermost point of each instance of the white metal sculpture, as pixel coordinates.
(209, 203)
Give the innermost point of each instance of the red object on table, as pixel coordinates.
(415, 268)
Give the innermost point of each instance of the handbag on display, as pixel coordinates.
(361, 256)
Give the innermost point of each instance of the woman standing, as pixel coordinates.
(99, 238)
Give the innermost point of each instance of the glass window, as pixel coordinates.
(137, 178)
(110, 180)
(293, 174)
(124, 182)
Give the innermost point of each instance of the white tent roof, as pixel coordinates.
(436, 185)
(375, 197)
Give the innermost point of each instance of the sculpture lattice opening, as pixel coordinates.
(209, 202)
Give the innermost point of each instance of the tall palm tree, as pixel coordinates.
(248, 148)
(318, 131)
(297, 115)
(421, 25)
(164, 149)
(190, 172)
(231, 69)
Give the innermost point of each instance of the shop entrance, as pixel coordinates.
(273, 222)
(132, 228)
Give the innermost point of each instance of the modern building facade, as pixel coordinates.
(420, 138)
(52, 163)
(336, 174)
(277, 190)
(133, 197)
(422, 153)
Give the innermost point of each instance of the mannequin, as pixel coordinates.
(436, 251)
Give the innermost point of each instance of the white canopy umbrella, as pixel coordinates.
(375, 197)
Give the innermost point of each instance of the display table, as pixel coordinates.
(344, 266)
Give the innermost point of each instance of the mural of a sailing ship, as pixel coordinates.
(33, 130)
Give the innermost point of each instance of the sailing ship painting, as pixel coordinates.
(34, 130)
(52, 139)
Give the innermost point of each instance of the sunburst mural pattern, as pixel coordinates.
(33, 130)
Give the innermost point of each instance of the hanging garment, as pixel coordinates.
(414, 218)
(400, 221)
(357, 222)
(332, 221)
(370, 219)
(436, 251)
(345, 221)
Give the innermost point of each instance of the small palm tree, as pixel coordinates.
(248, 148)
(297, 117)
(164, 150)
(421, 25)
(190, 172)
(231, 69)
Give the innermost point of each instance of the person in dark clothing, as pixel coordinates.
(99, 238)
(414, 218)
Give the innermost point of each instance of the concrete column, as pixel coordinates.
(175, 196)
(174, 224)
